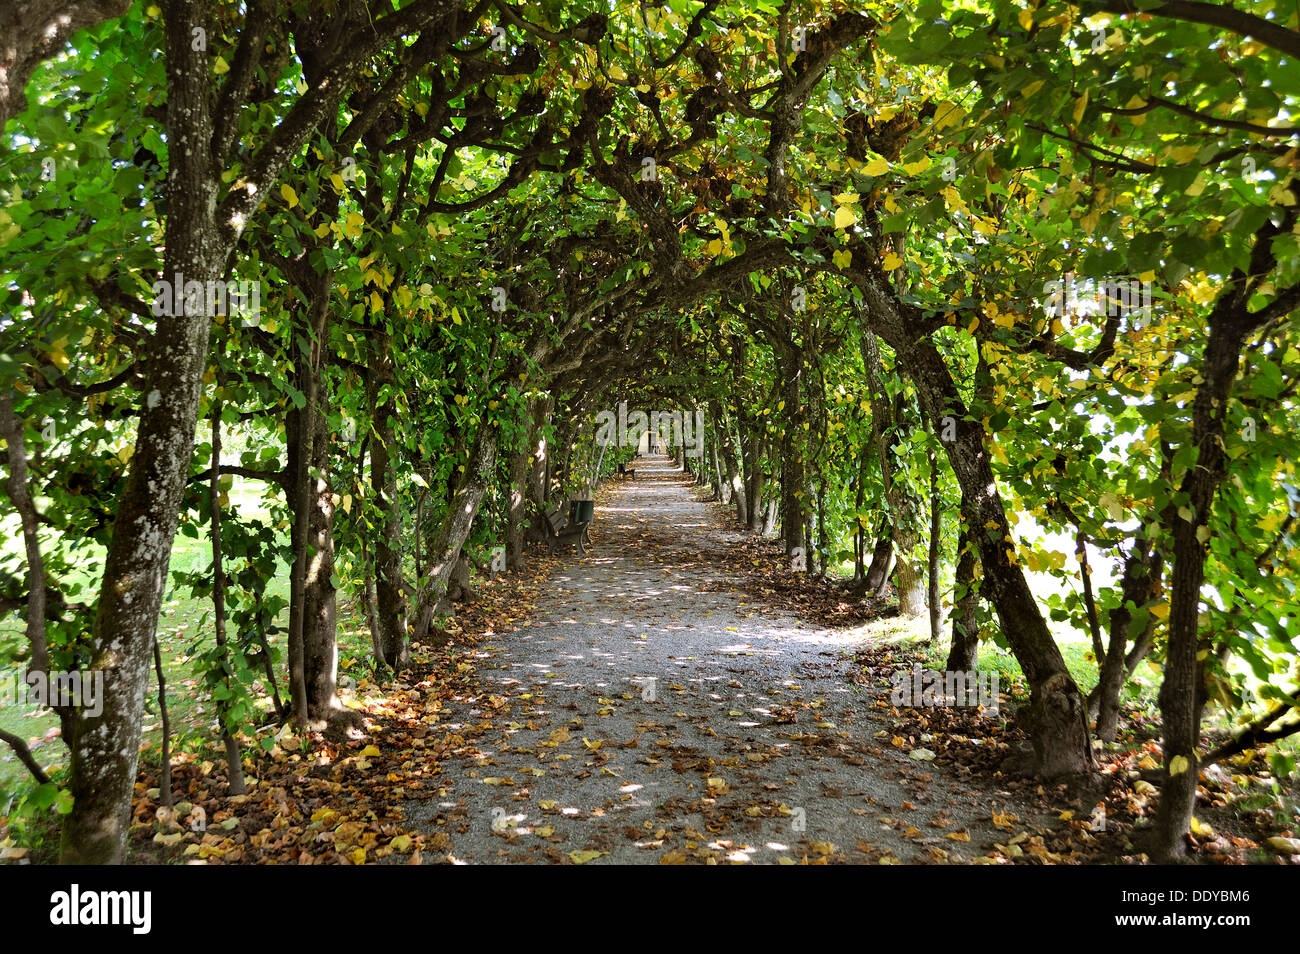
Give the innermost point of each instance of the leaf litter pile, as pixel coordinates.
(662, 701)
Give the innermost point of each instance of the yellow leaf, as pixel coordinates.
(370, 751)
(1026, 18)
(401, 843)
(1080, 105)
(358, 857)
(842, 258)
(876, 167)
(1284, 846)
(891, 262)
(846, 198)
(336, 180)
(220, 66)
(1032, 88)
(290, 197)
(912, 169)
(1178, 765)
(1200, 829)
(844, 217)
(354, 223)
(947, 114)
(582, 857)
(1281, 195)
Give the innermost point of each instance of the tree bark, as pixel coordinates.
(735, 480)
(516, 513)
(963, 654)
(1142, 571)
(105, 748)
(1058, 718)
(936, 542)
(1182, 693)
(393, 641)
(887, 426)
(446, 550)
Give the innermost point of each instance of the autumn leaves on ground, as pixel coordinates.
(670, 698)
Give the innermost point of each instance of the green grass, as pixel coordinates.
(183, 622)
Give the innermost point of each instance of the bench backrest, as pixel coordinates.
(557, 518)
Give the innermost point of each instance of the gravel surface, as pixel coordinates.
(651, 721)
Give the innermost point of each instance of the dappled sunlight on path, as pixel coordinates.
(642, 717)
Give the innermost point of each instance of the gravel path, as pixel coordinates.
(646, 719)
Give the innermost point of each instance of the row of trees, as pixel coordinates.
(848, 236)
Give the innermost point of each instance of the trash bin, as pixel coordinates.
(581, 511)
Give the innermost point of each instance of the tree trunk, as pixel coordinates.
(446, 550)
(936, 544)
(752, 453)
(539, 464)
(734, 478)
(963, 655)
(1058, 718)
(394, 644)
(1182, 693)
(105, 748)
(882, 559)
(320, 599)
(516, 512)
(720, 490)
(887, 427)
(1142, 571)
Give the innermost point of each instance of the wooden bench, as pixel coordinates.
(626, 471)
(563, 532)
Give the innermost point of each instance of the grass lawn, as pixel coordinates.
(183, 621)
